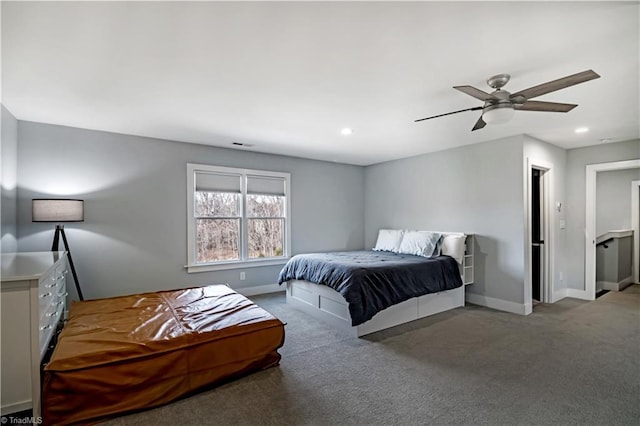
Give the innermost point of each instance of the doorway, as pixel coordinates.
(635, 225)
(538, 234)
(590, 221)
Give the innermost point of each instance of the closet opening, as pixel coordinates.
(537, 237)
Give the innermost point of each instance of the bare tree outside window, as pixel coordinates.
(265, 225)
(217, 226)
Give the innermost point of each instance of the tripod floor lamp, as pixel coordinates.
(60, 210)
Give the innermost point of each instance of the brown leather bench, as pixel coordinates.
(133, 352)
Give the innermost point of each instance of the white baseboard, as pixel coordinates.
(15, 407)
(611, 286)
(559, 295)
(260, 289)
(628, 280)
(583, 295)
(625, 283)
(579, 294)
(499, 304)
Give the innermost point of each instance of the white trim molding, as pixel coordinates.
(208, 267)
(498, 304)
(548, 252)
(559, 295)
(590, 220)
(619, 286)
(260, 289)
(242, 179)
(578, 294)
(635, 216)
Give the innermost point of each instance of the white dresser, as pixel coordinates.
(33, 302)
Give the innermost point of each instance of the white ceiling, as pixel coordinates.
(287, 77)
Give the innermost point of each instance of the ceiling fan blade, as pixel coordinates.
(558, 84)
(448, 113)
(476, 93)
(479, 124)
(545, 106)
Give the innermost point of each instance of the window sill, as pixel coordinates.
(235, 265)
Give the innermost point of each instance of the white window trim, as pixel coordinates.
(191, 265)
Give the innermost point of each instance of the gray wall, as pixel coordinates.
(476, 189)
(625, 261)
(134, 236)
(577, 160)
(614, 261)
(613, 199)
(9, 173)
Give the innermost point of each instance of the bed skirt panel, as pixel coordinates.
(328, 305)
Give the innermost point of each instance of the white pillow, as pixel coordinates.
(389, 240)
(453, 245)
(420, 243)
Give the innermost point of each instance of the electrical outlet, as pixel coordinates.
(242, 276)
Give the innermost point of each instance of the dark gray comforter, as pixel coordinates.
(371, 281)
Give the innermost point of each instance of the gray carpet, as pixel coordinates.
(573, 362)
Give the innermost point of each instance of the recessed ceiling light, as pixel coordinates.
(346, 131)
(581, 130)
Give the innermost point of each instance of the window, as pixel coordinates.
(236, 216)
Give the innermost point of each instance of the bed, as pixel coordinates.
(134, 352)
(363, 292)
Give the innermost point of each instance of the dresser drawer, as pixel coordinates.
(56, 305)
(54, 278)
(46, 299)
(52, 286)
(47, 329)
(47, 282)
(52, 298)
(61, 271)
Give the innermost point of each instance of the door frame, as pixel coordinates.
(548, 248)
(635, 214)
(590, 220)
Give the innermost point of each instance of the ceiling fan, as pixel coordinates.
(500, 105)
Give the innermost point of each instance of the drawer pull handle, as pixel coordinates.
(59, 303)
(47, 294)
(54, 284)
(45, 327)
(52, 314)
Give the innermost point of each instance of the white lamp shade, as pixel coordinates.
(57, 210)
(498, 115)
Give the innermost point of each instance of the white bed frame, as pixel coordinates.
(326, 304)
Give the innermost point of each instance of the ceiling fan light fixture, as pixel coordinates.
(500, 105)
(498, 114)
